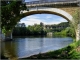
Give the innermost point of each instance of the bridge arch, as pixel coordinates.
(43, 10)
(49, 10)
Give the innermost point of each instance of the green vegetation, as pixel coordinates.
(66, 32)
(68, 52)
(34, 30)
(10, 10)
(61, 29)
(57, 27)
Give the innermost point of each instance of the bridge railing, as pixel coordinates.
(49, 1)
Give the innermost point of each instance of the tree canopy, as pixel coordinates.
(9, 11)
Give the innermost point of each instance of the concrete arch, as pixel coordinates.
(47, 10)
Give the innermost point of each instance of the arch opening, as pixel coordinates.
(43, 17)
(43, 22)
(53, 11)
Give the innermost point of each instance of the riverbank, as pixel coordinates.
(72, 51)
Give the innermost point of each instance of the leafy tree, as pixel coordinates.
(10, 10)
(30, 30)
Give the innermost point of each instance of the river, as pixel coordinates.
(27, 46)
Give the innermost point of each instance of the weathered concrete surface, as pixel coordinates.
(49, 10)
(70, 10)
(78, 33)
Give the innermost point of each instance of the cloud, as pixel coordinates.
(62, 20)
(52, 22)
(55, 20)
(31, 20)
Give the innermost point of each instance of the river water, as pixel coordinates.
(27, 46)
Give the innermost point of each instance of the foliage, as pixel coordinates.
(57, 27)
(30, 30)
(39, 30)
(9, 11)
(66, 32)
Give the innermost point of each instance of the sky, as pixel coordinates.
(38, 0)
(45, 18)
(30, 0)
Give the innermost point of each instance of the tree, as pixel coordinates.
(9, 11)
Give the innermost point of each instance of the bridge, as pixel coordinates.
(63, 8)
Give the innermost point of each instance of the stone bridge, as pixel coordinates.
(63, 8)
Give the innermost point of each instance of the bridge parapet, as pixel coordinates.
(38, 3)
(49, 1)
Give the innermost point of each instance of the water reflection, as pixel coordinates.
(9, 50)
(24, 47)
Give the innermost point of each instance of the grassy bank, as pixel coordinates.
(69, 52)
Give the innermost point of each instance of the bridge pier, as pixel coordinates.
(8, 36)
(78, 33)
(5, 37)
(0, 34)
(2, 37)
